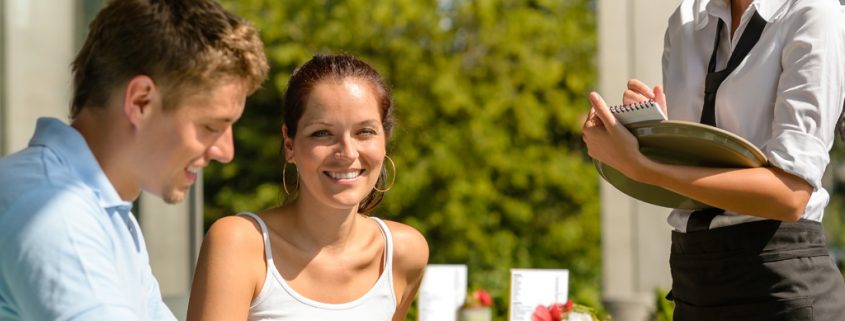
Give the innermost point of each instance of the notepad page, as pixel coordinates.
(638, 112)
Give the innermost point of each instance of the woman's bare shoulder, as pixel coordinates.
(410, 251)
(235, 235)
(230, 269)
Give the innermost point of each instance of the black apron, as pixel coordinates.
(758, 271)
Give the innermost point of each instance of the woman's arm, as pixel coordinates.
(410, 259)
(764, 192)
(229, 271)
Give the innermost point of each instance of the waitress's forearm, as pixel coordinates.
(766, 192)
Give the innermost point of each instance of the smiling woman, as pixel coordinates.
(341, 143)
(332, 261)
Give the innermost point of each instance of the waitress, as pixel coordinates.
(773, 72)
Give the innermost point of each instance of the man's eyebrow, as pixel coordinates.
(221, 120)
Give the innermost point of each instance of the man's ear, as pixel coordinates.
(287, 143)
(141, 93)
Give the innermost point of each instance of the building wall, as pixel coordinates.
(3, 78)
(635, 235)
(38, 45)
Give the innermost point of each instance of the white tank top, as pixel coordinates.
(277, 301)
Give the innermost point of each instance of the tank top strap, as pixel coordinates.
(265, 234)
(388, 243)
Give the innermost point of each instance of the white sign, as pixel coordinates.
(533, 287)
(442, 292)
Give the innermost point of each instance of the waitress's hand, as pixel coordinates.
(639, 92)
(609, 142)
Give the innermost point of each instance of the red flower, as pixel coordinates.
(560, 311)
(555, 311)
(483, 298)
(568, 306)
(541, 313)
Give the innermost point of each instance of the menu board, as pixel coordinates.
(442, 292)
(533, 287)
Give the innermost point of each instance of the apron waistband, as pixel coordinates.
(763, 241)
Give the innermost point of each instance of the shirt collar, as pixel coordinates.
(769, 10)
(72, 150)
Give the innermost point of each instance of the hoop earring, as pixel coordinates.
(393, 178)
(284, 179)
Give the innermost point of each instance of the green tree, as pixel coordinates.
(490, 96)
(834, 217)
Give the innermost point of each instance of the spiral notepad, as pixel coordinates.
(638, 112)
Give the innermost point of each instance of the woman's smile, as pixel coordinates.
(345, 175)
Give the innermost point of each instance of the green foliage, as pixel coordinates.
(489, 95)
(834, 217)
(665, 308)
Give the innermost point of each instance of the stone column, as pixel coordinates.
(173, 235)
(635, 235)
(37, 38)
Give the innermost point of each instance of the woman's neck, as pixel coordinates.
(322, 226)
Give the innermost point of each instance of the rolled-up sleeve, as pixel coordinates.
(810, 95)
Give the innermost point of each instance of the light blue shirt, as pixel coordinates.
(70, 248)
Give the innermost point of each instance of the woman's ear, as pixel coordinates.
(139, 95)
(287, 142)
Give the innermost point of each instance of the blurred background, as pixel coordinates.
(490, 96)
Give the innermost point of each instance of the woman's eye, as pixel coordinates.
(320, 133)
(367, 131)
